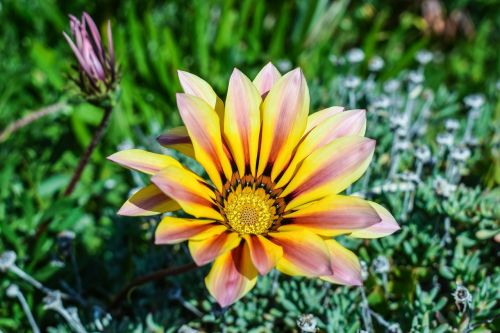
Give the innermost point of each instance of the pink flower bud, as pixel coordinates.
(97, 67)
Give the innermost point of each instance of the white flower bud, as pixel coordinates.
(376, 64)
(445, 139)
(381, 102)
(460, 154)
(355, 56)
(423, 153)
(423, 57)
(451, 125)
(307, 323)
(352, 82)
(391, 86)
(415, 77)
(7, 260)
(474, 101)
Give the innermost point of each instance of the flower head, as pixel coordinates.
(275, 177)
(97, 68)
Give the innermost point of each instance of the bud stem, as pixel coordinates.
(90, 148)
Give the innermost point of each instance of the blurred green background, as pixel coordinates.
(155, 38)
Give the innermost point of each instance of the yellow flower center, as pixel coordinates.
(251, 206)
(250, 211)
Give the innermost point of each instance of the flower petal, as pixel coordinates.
(77, 53)
(263, 252)
(345, 265)
(329, 170)
(191, 193)
(232, 276)
(318, 117)
(96, 36)
(386, 227)
(196, 86)
(346, 123)
(203, 126)
(284, 119)
(242, 122)
(335, 214)
(304, 253)
(266, 78)
(352, 122)
(149, 200)
(206, 250)
(177, 138)
(172, 230)
(144, 161)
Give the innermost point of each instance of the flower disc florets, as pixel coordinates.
(250, 206)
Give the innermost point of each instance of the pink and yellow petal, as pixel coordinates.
(345, 265)
(177, 138)
(284, 119)
(329, 170)
(232, 276)
(385, 227)
(318, 117)
(191, 193)
(264, 253)
(149, 200)
(266, 79)
(203, 126)
(143, 161)
(196, 86)
(304, 253)
(334, 215)
(345, 123)
(172, 230)
(206, 250)
(242, 122)
(352, 122)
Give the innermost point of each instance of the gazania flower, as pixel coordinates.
(275, 177)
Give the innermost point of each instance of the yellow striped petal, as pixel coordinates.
(385, 227)
(329, 170)
(196, 86)
(203, 127)
(334, 215)
(232, 276)
(263, 252)
(206, 250)
(149, 200)
(304, 253)
(143, 161)
(345, 265)
(266, 79)
(318, 117)
(177, 138)
(242, 122)
(351, 122)
(191, 193)
(172, 230)
(284, 119)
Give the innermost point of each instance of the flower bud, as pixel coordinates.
(355, 56)
(376, 64)
(463, 298)
(474, 101)
(424, 57)
(7, 260)
(96, 67)
(307, 323)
